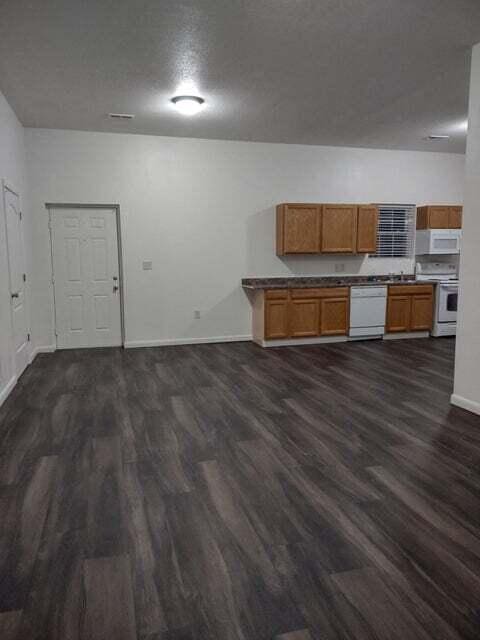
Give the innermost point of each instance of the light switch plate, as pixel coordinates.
(147, 265)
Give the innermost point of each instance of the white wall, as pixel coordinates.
(13, 169)
(203, 212)
(467, 362)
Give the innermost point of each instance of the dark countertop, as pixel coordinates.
(304, 282)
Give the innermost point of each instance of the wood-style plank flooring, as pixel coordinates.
(225, 492)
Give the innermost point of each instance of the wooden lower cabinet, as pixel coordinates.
(398, 314)
(409, 308)
(313, 312)
(334, 316)
(276, 319)
(306, 313)
(421, 313)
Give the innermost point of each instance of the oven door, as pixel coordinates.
(447, 302)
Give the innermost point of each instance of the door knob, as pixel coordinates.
(15, 295)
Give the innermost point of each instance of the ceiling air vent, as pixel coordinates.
(121, 116)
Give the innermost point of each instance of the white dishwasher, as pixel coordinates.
(368, 306)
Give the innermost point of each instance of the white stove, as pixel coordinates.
(444, 275)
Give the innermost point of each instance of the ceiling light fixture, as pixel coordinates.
(438, 137)
(188, 105)
(121, 116)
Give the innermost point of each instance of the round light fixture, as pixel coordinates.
(188, 105)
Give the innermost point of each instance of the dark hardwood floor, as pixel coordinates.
(227, 492)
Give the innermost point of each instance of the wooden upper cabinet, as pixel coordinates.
(367, 225)
(339, 228)
(298, 228)
(439, 217)
(455, 215)
(326, 228)
(334, 316)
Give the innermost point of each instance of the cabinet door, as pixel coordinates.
(339, 228)
(438, 217)
(421, 313)
(455, 217)
(303, 316)
(367, 223)
(422, 217)
(276, 319)
(334, 316)
(398, 313)
(300, 229)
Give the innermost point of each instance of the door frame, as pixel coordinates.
(49, 206)
(8, 186)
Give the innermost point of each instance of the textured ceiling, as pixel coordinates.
(374, 73)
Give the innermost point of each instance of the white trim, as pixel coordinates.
(133, 344)
(465, 403)
(49, 206)
(49, 348)
(7, 389)
(408, 335)
(7, 186)
(295, 342)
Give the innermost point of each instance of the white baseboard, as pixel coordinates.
(465, 403)
(49, 348)
(406, 336)
(296, 342)
(133, 344)
(7, 389)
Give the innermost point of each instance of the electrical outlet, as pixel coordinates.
(147, 265)
(196, 314)
(339, 267)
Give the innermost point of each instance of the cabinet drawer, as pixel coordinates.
(276, 294)
(335, 292)
(410, 289)
(305, 293)
(324, 292)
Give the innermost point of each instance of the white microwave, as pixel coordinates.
(438, 241)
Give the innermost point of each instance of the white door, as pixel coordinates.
(86, 277)
(17, 277)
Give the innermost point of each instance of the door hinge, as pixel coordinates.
(24, 277)
(28, 337)
(21, 214)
